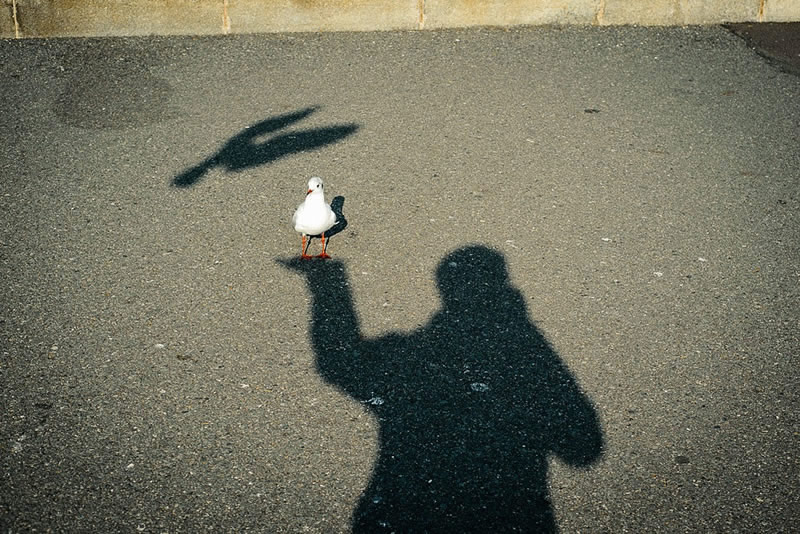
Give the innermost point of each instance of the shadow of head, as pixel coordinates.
(261, 144)
(471, 277)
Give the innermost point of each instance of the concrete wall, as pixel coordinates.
(49, 18)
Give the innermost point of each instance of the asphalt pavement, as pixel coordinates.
(563, 293)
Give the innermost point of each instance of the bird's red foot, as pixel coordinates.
(324, 256)
(306, 257)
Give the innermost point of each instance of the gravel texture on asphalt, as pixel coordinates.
(564, 292)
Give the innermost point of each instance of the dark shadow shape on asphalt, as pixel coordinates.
(245, 150)
(470, 406)
(337, 205)
(777, 42)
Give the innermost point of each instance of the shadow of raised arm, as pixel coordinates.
(335, 331)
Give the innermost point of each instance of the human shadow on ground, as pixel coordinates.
(246, 149)
(470, 406)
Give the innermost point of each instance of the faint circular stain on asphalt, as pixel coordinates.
(126, 93)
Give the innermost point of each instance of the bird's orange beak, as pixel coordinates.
(309, 191)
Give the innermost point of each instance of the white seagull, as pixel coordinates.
(314, 216)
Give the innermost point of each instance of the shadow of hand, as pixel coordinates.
(311, 266)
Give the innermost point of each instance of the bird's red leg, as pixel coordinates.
(303, 254)
(323, 255)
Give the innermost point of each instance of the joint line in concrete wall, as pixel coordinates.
(421, 8)
(226, 19)
(761, 5)
(16, 19)
(599, 13)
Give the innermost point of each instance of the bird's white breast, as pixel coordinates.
(313, 216)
